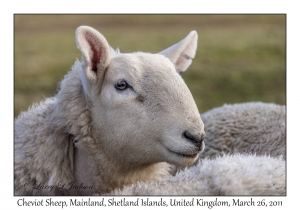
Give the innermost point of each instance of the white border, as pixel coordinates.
(9, 8)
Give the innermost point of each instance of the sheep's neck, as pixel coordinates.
(104, 175)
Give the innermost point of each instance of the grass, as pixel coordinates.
(240, 58)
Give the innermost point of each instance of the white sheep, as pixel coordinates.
(116, 120)
(253, 127)
(227, 175)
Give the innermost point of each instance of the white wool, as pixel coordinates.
(252, 127)
(227, 175)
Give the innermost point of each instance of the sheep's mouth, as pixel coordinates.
(184, 155)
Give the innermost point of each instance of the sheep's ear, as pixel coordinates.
(182, 53)
(95, 50)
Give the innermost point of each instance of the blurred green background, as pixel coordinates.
(240, 58)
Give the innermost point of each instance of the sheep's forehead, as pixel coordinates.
(144, 69)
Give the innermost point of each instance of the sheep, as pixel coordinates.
(238, 174)
(117, 119)
(253, 127)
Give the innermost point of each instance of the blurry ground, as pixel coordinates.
(239, 58)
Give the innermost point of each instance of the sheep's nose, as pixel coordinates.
(197, 139)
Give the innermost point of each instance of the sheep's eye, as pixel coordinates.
(121, 84)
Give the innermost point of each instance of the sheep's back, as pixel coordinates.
(255, 128)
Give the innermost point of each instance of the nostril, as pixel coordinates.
(194, 138)
(188, 135)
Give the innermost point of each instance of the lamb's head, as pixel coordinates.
(141, 109)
